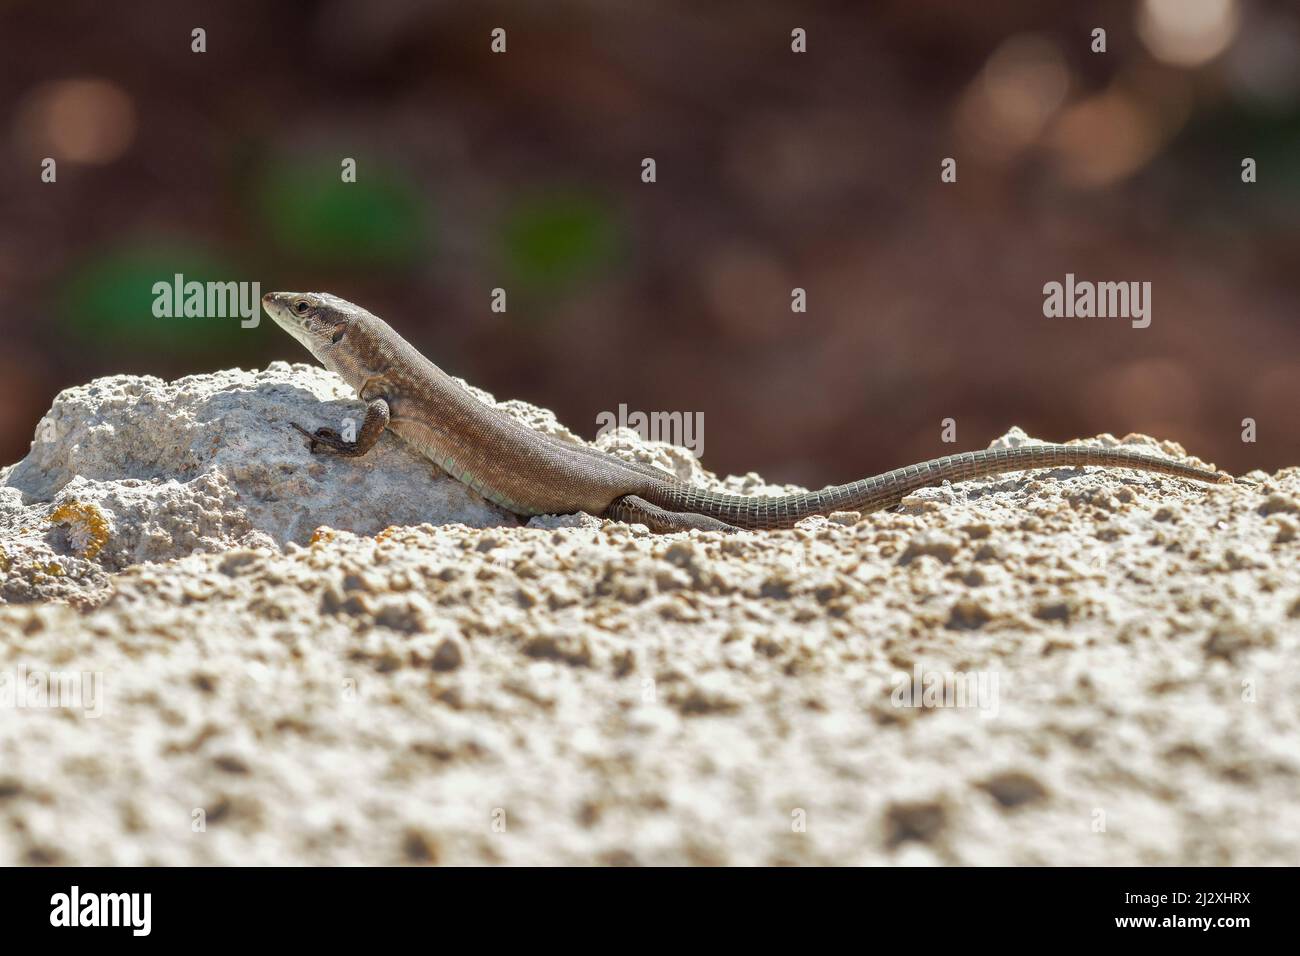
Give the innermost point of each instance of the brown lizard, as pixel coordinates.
(530, 473)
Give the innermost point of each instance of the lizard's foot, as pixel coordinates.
(327, 437)
(635, 510)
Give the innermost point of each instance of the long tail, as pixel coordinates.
(872, 494)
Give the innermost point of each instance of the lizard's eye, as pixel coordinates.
(301, 306)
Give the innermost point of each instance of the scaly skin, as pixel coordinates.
(531, 474)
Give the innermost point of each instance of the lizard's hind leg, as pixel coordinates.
(634, 510)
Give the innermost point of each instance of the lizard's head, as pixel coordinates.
(318, 320)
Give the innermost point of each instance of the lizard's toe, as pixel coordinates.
(321, 436)
(311, 439)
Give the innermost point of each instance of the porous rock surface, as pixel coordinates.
(261, 656)
(130, 469)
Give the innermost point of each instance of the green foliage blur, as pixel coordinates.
(107, 301)
(307, 211)
(554, 241)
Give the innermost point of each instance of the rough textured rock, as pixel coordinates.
(1104, 663)
(127, 470)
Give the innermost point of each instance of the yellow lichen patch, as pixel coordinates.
(321, 534)
(4, 560)
(87, 527)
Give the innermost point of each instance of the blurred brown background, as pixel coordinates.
(775, 170)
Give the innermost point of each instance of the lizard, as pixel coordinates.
(531, 473)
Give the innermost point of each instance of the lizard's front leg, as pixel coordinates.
(377, 414)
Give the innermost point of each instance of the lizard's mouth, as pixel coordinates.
(278, 306)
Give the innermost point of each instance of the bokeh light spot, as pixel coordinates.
(1187, 32)
(89, 121)
(1020, 88)
(1104, 139)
